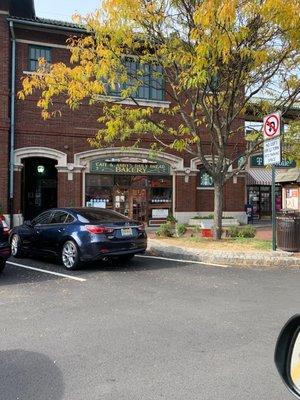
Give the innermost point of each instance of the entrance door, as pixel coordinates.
(139, 203)
(121, 201)
(265, 201)
(39, 186)
(132, 203)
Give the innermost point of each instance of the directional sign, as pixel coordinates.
(271, 126)
(272, 151)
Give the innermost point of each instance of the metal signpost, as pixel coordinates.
(272, 156)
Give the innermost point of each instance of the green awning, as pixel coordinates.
(292, 175)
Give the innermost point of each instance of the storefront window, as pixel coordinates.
(98, 191)
(260, 199)
(205, 179)
(141, 197)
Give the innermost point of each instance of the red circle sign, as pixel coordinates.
(271, 125)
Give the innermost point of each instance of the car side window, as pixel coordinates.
(42, 219)
(59, 217)
(69, 219)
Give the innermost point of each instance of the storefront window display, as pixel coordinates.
(260, 199)
(143, 198)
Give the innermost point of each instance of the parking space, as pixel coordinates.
(149, 329)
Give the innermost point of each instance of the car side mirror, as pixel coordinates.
(287, 355)
(28, 223)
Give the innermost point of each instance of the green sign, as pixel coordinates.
(258, 161)
(104, 166)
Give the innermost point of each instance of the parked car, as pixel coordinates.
(287, 355)
(79, 235)
(4, 244)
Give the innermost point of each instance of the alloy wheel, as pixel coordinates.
(14, 245)
(69, 254)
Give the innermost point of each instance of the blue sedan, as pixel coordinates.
(79, 235)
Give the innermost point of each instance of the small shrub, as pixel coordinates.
(247, 231)
(180, 229)
(209, 216)
(171, 219)
(195, 231)
(165, 230)
(233, 231)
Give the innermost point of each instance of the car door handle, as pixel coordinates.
(38, 232)
(61, 229)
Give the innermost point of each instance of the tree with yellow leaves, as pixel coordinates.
(211, 56)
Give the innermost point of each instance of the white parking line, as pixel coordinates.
(184, 261)
(45, 271)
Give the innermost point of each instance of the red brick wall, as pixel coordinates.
(205, 200)
(185, 194)
(234, 197)
(69, 191)
(4, 109)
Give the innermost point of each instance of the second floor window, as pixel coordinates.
(37, 52)
(148, 78)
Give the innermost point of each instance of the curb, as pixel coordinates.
(242, 259)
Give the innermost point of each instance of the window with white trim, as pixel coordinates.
(35, 53)
(147, 77)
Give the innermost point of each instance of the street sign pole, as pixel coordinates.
(272, 130)
(273, 209)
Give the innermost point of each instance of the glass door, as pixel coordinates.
(121, 201)
(139, 204)
(265, 201)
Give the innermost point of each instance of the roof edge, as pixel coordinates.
(39, 22)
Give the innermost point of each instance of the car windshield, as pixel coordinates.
(93, 215)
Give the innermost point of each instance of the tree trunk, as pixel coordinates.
(218, 210)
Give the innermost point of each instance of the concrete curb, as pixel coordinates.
(259, 259)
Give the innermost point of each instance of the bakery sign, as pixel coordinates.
(129, 166)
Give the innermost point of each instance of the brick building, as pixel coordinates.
(48, 164)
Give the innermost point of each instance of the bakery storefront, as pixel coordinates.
(259, 187)
(136, 187)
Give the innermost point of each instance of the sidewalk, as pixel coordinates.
(269, 259)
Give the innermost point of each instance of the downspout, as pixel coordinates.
(12, 124)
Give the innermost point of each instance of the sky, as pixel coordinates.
(64, 9)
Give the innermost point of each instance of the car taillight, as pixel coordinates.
(98, 229)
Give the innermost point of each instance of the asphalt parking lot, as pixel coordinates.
(151, 329)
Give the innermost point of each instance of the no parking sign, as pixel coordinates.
(272, 126)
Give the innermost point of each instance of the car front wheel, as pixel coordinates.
(16, 246)
(70, 255)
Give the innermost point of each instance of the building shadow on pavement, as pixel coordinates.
(28, 375)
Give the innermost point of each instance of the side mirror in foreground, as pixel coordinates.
(287, 355)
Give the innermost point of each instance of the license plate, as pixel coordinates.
(126, 232)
